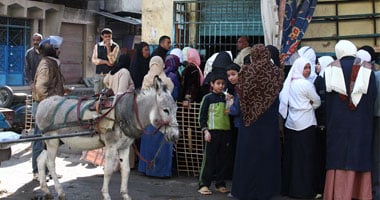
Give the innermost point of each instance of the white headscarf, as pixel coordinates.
(309, 53)
(295, 72)
(363, 55)
(177, 52)
(345, 48)
(323, 62)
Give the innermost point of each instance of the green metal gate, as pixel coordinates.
(13, 44)
(215, 25)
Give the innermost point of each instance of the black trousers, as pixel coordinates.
(215, 159)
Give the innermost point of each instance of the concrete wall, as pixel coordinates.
(133, 6)
(157, 20)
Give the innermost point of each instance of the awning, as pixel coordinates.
(129, 20)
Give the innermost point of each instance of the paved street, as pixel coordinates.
(83, 181)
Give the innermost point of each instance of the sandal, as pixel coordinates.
(204, 190)
(222, 190)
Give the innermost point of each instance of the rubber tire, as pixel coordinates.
(6, 96)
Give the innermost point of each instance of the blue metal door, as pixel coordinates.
(13, 45)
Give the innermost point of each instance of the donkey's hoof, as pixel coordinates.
(48, 196)
(62, 197)
(106, 196)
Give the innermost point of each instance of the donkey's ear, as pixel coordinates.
(157, 82)
(159, 85)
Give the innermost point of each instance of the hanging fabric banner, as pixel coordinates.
(298, 14)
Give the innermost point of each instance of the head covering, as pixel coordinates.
(274, 55)
(171, 64)
(222, 60)
(156, 68)
(178, 53)
(38, 35)
(309, 53)
(345, 48)
(194, 58)
(295, 72)
(370, 50)
(208, 65)
(105, 30)
(259, 84)
(233, 66)
(139, 65)
(48, 46)
(53, 40)
(363, 55)
(323, 62)
(122, 62)
(210, 62)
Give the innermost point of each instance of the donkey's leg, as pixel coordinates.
(41, 163)
(110, 155)
(125, 170)
(52, 149)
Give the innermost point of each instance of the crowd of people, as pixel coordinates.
(325, 110)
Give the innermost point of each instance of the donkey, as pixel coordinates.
(133, 111)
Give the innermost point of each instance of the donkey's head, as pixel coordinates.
(164, 117)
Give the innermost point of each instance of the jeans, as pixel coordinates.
(37, 145)
(98, 83)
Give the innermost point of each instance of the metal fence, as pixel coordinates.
(215, 25)
(189, 148)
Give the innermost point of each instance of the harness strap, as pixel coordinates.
(79, 111)
(68, 111)
(101, 117)
(151, 163)
(54, 113)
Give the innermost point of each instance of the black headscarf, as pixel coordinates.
(160, 51)
(122, 62)
(219, 66)
(139, 65)
(274, 55)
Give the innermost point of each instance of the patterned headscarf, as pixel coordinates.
(259, 84)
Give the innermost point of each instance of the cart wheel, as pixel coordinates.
(6, 96)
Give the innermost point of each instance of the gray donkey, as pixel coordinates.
(133, 111)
